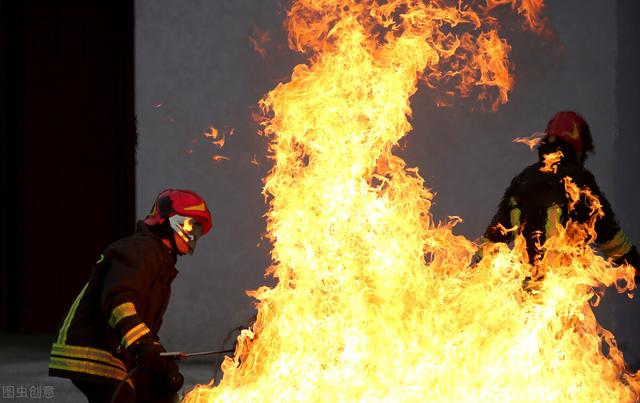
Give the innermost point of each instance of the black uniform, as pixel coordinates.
(536, 200)
(123, 302)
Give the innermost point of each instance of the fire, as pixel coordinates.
(530, 9)
(187, 226)
(216, 136)
(212, 133)
(374, 300)
(551, 161)
(532, 141)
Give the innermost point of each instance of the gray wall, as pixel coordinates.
(195, 59)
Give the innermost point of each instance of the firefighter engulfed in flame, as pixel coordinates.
(108, 342)
(537, 199)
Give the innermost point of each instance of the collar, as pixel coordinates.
(143, 229)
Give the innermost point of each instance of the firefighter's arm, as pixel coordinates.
(611, 239)
(129, 273)
(505, 222)
(132, 268)
(503, 226)
(620, 249)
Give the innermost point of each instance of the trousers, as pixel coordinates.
(147, 390)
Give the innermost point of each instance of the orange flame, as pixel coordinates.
(374, 301)
(550, 162)
(219, 143)
(530, 9)
(217, 136)
(212, 132)
(187, 225)
(531, 142)
(218, 158)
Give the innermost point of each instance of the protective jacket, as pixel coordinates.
(124, 300)
(536, 200)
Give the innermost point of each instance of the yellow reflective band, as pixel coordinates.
(575, 134)
(134, 334)
(87, 353)
(514, 214)
(515, 218)
(62, 336)
(619, 245)
(88, 367)
(554, 217)
(197, 207)
(101, 259)
(120, 312)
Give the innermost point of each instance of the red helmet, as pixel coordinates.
(179, 202)
(572, 129)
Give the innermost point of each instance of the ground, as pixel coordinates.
(25, 361)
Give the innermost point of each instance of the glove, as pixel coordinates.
(475, 259)
(147, 355)
(172, 377)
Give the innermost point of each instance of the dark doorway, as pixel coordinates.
(68, 136)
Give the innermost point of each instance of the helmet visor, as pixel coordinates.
(188, 228)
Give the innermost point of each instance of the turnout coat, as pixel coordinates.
(536, 200)
(124, 300)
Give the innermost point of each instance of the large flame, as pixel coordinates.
(374, 300)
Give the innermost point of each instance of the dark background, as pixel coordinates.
(68, 104)
(67, 127)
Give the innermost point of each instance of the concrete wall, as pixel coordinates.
(196, 67)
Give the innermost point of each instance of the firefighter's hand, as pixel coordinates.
(172, 376)
(147, 354)
(475, 259)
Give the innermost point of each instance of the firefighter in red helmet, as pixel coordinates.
(108, 340)
(536, 198)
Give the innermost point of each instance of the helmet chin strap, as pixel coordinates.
(165, 231)
(174, 245)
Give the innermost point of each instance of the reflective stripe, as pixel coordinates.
(134, 334)
(62, 336)
(515, 218)
(88, 367)
(120, 312)
(100, 260)
(619, 245)
(514, 214)
(554, 217)
(88, 353)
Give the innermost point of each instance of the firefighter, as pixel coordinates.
(108, 339)
(536, 199)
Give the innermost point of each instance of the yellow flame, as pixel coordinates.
(550, 162)
(259, 39)
(374, 301)
(187, 225)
